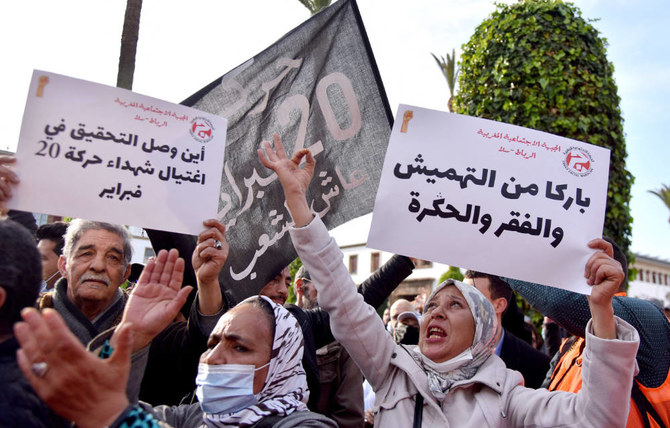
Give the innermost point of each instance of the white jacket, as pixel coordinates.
(495, 396)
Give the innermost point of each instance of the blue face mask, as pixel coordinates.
(45, 281)
(226, 388)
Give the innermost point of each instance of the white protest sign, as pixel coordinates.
(489, 196)
(103, 153)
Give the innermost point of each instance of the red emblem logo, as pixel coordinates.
(578, 161)
(202, 129)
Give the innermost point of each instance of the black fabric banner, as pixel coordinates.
(318, 87)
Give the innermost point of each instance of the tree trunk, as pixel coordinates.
(131, 29)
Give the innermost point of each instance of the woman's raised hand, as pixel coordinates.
(605, 274)
(294, 180)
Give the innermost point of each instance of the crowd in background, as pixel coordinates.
(78, 346)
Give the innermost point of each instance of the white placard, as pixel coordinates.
(489, 196)
(103, 153)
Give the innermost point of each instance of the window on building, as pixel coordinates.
(41, 219)
(148, 253)
(353, 264)
(422, 264)
(374, 261)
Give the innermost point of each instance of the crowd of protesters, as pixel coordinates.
(77, 348)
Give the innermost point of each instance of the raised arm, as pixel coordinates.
(605, 275)
(608, 361)
(383, 281)
(374, 290)
(569, 309)
(178, 347)
(354, 324)
(208, 259)
(552, 302)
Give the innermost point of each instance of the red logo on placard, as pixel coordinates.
(578, 161)
(202, 129)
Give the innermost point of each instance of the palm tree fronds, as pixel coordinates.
(448, 67)
(315, 5)
(663, 193)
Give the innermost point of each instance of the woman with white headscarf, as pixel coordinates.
(244, 382)
(452, 378)
(250, 375)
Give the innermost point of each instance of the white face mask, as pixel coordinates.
(226, 388)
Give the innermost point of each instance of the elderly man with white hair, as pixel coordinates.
(96, 262)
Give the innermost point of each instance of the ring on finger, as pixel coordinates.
(40, 369)
(217, 244)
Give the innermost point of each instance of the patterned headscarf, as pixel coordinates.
(441, 376)
(285, 389)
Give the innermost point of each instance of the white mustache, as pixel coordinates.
(97, 278)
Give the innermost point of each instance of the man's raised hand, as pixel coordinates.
(156, 298)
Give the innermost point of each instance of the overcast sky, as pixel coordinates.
(183, 46)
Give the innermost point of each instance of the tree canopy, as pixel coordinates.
(540, 64)
(452, 273)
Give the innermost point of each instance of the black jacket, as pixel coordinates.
(315, 323)
(520, 356)
(19, 404)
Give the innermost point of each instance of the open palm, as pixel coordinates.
(157, 297)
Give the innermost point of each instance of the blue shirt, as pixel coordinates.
(498, 348)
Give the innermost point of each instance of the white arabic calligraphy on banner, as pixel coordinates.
(317, 88)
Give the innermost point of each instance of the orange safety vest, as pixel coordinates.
(567, 376)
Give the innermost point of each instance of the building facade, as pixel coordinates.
(652, 282)
(363, 261)
(653, 279)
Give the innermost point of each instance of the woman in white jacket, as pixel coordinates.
(452, 378)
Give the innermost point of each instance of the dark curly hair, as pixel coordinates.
(53, 232)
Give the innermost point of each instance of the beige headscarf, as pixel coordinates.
(441, 376)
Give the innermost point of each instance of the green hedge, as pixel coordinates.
(540, 64)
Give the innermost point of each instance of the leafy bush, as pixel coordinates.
(539, 64)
